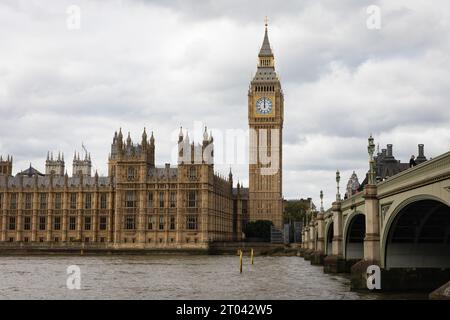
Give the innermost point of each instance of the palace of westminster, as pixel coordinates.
(139, 205)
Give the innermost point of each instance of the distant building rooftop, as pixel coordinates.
(30, 172)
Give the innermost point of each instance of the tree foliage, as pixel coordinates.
(295, 210)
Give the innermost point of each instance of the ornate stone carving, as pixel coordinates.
(384, 209)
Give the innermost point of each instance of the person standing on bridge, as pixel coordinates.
(412, 162)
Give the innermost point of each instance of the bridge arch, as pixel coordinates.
(417, 234)
(329, 231)
(354, 233)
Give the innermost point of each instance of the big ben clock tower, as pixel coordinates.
(265, 119)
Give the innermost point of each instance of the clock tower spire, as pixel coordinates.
(265, 55)
(265, 118)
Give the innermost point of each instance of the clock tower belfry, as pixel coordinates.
(265, 119)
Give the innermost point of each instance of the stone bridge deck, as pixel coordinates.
(401, 224)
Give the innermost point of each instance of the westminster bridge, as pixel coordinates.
(401, 225)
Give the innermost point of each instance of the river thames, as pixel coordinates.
(174, 277)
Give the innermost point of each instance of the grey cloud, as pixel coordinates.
(162, 64)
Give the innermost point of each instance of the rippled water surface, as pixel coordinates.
(174, 277)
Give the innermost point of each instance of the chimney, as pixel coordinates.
(389, 150)
(421, 153)
(421, 156)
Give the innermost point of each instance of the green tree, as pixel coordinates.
(295, 210)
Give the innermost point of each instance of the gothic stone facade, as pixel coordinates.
(138, 205)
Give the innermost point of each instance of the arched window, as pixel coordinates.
(130, 199)
(192, 173)
(131, 174)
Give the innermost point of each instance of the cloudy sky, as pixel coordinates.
(162, 64)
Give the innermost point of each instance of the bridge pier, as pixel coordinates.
(307, 255)
(306, 243)
(372, 238)
(303, 244)
(358, 272)
(317, 258)
(311, 241)
(335, 262)
(318, 255)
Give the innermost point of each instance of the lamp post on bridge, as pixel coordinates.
(318, 254)
(334, 262)
(338, 179)
(372, 236)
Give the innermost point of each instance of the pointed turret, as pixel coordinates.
(321, 201)
(129, 139)
(120, 139)
(152, 139)
(205, 139)
(180, 135)
(266, 58)
(151, 160)
(205, 135)
(266, 50)
(144, 138)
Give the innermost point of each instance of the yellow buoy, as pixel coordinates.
(240, 262)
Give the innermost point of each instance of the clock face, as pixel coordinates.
(264, 105)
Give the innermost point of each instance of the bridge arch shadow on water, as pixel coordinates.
(418, 235)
